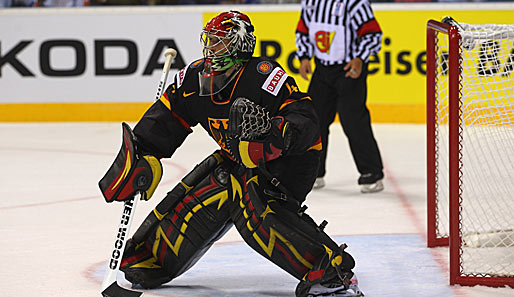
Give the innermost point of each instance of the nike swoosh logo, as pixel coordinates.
(187, 94)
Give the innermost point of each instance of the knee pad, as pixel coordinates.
(183, 226)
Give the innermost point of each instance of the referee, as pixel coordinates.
(341, 35)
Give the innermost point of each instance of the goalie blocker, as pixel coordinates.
(130, 172)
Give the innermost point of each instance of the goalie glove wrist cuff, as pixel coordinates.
(130, 173)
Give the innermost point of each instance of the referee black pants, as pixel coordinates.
(332, 92)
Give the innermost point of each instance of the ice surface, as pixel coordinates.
(57, 231)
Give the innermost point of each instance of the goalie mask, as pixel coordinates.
(227, 40)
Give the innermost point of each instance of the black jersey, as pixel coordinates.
(166, 124)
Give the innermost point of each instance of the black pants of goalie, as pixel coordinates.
(215, 196)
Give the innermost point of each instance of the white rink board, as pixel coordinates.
(45, 33)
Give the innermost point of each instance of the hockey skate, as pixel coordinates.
(371, 182)
(331, 276)
(350, 289)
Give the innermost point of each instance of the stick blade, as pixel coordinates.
(114, 290)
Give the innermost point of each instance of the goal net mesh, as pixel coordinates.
(486, 148)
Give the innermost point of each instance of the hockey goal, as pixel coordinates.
(470, 149)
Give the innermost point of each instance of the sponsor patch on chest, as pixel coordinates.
(275, 81)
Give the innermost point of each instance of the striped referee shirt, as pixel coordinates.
(336, 31)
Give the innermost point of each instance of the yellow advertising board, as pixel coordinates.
(396, 83)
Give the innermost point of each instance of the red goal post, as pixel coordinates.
(470, 150)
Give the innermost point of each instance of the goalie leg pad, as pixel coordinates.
(183, 233)
(289, 239)
(173, 198)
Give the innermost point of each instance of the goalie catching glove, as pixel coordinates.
(130, 172)
(254, 136)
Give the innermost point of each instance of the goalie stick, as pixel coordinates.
(110, 286)
(170, 54)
